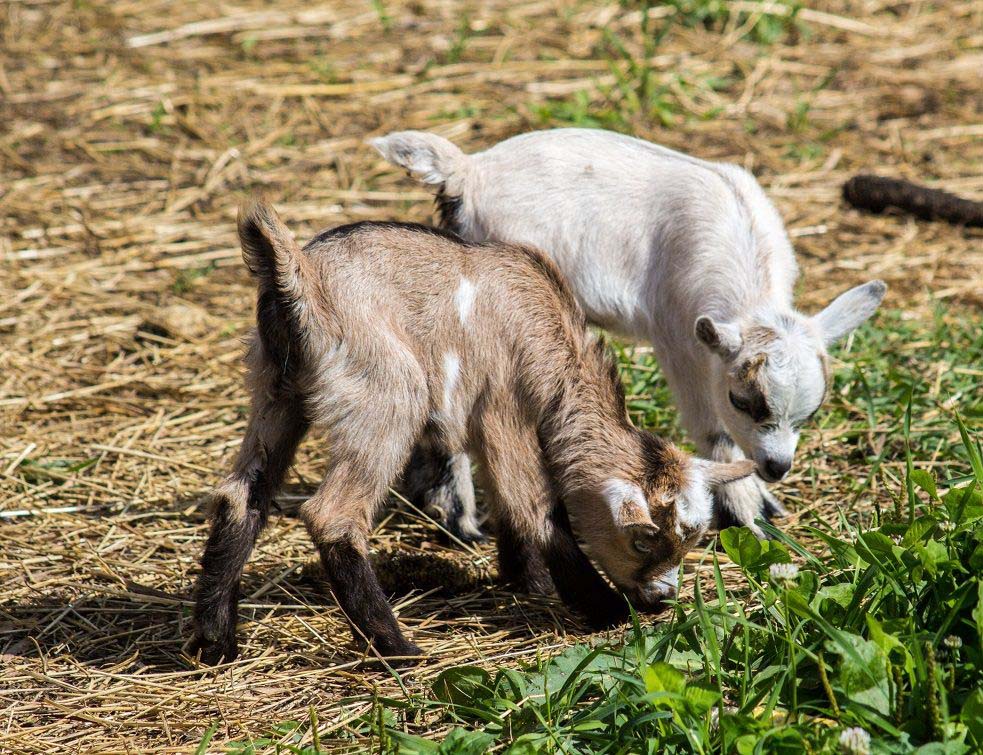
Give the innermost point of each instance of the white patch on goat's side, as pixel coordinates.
(464, 299)
(617, 492)
(694, 507)
(452, 373)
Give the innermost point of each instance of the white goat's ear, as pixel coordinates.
(433, 159)
(723, 339)
(720, 473)
(849, 310)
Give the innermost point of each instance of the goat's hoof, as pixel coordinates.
(401, 653)
(606, 615)
(467, 534)
(772, 508)
(212, 653)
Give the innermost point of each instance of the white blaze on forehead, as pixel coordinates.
(795, 380)
(464, 299)
(616, 492)
(452, 372)
(694, 506)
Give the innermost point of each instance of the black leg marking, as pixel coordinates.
(361, 598)
(217, 592)
(520, 563)
(577, 581)
(233, 533)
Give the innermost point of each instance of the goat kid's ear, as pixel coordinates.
(720, 473)
(723, 339)
(849, 310)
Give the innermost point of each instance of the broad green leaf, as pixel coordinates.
(840, 593)
(464, 686)
(917, 531)
(972, 716)
(409, 744)
(700, 699)
(752, 555)
(740, 545)
(932, 555)
(926, 481)
(863, 674)
(464, 742)
(661, 677)
(886, 641)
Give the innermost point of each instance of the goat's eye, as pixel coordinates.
(641, 546)
(738, 403)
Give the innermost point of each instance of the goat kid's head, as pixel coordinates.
(774, 373)
(654, 519)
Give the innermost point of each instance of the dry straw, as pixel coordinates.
(129, 131)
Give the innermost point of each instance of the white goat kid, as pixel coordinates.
(662, 247)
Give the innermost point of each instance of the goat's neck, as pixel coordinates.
(584, 442)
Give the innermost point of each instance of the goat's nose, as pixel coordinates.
(776, 469)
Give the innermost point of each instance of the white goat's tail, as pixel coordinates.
(431, 158)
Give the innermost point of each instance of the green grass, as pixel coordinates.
(642, 94)
(877, 629)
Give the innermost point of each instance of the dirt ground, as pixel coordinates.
(130, 131)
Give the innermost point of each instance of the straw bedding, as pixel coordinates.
(129, 132)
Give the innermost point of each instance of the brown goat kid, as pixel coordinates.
(385, 336)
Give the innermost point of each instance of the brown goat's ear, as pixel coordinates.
(628, 504)
(643, 537)
(720, 473)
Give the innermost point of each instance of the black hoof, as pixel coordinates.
(400, 654)
(773, 510)
(212, 653)
(606, 614)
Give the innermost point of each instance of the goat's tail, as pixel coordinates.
(284, 311)
(431, 158)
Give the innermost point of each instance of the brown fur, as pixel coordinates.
(362, 330)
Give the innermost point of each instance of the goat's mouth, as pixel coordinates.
(652, 597)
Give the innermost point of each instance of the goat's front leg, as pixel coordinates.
(738, 504)
(241, 507)
(440, 482)
(577, 581)
(534, 531)
(735, 504)
(520, 559)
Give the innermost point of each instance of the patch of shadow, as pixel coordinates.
(401, 572)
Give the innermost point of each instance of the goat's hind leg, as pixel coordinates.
(339, 519)
(440, 482)
(241, 506)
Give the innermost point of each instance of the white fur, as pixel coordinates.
(464, 299)
(669, 581)
(694, 507)
(452, 372)
(651, 240)
(616, 492)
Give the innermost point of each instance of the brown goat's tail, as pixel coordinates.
(875, 193)
(270, 251)
(284, 311)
